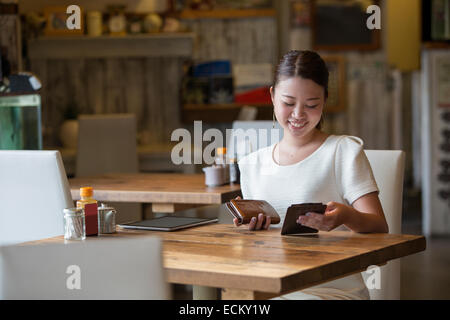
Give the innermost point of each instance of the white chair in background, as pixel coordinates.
(107, 144)
(111, 268)
(388, 169)
(33, 193)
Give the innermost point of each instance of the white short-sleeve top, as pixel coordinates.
(336, 171)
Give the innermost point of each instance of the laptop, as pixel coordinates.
(168, 223)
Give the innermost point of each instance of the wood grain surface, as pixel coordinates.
(251, 265)
(165, 188)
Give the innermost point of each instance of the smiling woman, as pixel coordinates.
(311, 166)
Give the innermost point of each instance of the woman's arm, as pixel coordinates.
(366, 216)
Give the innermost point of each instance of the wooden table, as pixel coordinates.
(167, 192)
(264, 264)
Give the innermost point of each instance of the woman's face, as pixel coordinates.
(298, 104)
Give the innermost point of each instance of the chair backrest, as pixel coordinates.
(111, 268)
(253, 135)
(106, 143)
(388, 169)
(33, 193)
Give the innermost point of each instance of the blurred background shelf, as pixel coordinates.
(226, 13)
(145, 45)
(226, 112)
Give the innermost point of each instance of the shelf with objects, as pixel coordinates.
(111, 32)
(145, 45)
(217, 91)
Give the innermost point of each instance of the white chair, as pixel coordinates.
(388, 169)
(33, 193)
(90, 269)
(107, 144)
(249, 136)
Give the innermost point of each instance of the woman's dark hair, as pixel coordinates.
(305, 64)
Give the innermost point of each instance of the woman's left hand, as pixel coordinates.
(334, 216)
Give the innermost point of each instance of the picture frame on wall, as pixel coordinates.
(340, 25)
(336, 101)
(56, 18)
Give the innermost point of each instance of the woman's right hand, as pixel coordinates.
(262, 223)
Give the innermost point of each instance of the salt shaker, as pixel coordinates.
(106, 219)
(74, 224)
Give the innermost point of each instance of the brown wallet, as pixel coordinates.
(245, 210)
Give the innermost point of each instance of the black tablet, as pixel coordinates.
(167, 223)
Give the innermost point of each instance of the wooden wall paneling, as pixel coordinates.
(57, 97)
(339, 123)
(353, 87)
(266, 38)
(153, 101)
(369, 100)
(94, 80)
(239, 40)
(216, 32)
(209, 33)
(133, 89)
(76, 85)
(114, 98)
(170, 95)
(166, 91)
(158, 108)
(145, 133)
